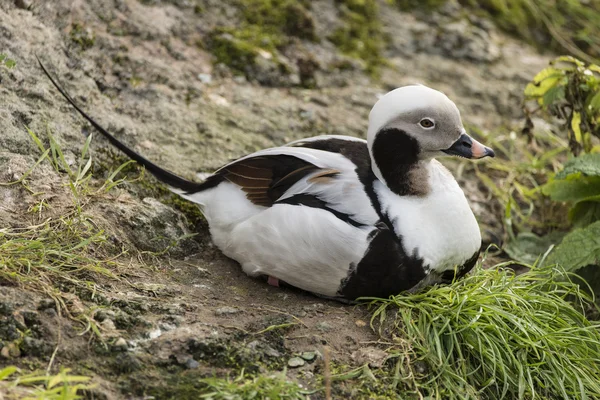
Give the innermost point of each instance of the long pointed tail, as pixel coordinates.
(161, 174)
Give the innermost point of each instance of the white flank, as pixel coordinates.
(306, 247)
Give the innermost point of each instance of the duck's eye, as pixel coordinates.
(427, 123)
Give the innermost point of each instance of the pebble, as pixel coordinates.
(5, 353)
(271, 352)
(23, 4)
(205, 78)
(191, 363)
(308, 355)
(121, 344)
(165, 326)
(314, 307)
(108, 325)
(324, 326)
(295, 362)
(227, 311)
(154, 334)
(370, 355)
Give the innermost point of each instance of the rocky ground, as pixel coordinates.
(146, 71)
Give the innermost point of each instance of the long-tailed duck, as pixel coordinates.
(344, 217)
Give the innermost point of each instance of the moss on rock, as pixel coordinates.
(360, 35)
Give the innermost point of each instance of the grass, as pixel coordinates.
(272, 387)
(66, 252)
(512, 182)
(492, 335)
(62, 386)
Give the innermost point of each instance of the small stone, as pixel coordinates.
(253, 345)
(301, 314)
(271, 352)
(370, 355)
(314, 307)
(295, 362)
(5, 353)
(126, 363)
(46, 303)
(227, 311)
(308, 355)
(324, 326)
(108, 325)
(360, 323)
(50, 312)
(13, 350)
(205, 78)
(23, 4)
(218, 100)
(165, 326)
(191, 363)
(120, 344)
(320, 101)
(308, 115)
(154, 334)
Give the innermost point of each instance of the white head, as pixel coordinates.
(414, 123)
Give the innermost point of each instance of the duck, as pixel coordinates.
(339, 216)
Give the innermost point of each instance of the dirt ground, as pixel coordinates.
(139, 68)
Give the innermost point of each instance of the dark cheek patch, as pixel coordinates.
(397, 155)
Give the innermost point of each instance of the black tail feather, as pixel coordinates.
(161, 174)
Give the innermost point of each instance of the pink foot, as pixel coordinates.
(273, 281)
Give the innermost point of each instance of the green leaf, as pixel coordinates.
(543, 81)
(594, 104)
(553, 95)
(584, 213)
(576, 126)
(567, 63)
(587, 164)
(10, 63)
(6, 372)
(579, 248)
(527, 247)
(573, 188)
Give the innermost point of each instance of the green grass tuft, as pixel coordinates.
(273, 387)
(66, 251)
(492, 335)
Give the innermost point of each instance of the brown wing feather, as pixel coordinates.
(265, 179)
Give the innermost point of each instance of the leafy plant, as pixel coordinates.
(569, 90)
(62, 386)
(578, 184)
(7, 62)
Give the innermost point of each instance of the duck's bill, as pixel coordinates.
(468, 147)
